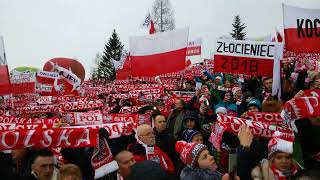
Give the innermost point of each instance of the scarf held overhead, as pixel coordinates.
(48, 138)
(232, 125)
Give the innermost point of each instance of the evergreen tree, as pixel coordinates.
(163, 16)
(112, 51)
(238, 29)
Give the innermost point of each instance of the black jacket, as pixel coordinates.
(80, 157)
(247, 160)
(8, 172)
(308, 136)
(166, 143)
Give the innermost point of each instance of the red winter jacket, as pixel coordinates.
(139, 153)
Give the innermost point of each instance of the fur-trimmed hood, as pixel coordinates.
(262, 171)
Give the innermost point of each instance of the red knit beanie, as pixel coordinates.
(189, 152)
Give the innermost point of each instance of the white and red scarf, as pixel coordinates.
(97, 118)
(153, 154)
(269, 118)
(48, 138)
(279, 175)
(232, 125)
(20, 120)
(130, 109)
(115, 130)
(36, 109)
(299, 108)
(80, 105)
(18, 136)
(102, 159)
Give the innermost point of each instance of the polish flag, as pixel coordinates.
(301, 29)
(152, 30)
(5, 85)
(148, 22)
(159, 53)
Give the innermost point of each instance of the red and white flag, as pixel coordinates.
(5, 85)
(301, 29)
(159, 53)
(148, 22)
(246, 57)
(194, 47)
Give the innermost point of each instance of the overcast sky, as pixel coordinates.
(37, 30)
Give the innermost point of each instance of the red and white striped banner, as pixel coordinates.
(144, 96)
(183, 93)
(83, 118)
(115, 130)
(48, 138)
(36, 109)
(80, 105)
(299, 108)
(7, 126)
(130, 109)
(71, 98)
(23, 98)
(96, 90)
(45, 100)
(19, 120)
(147, 91)
(136, 118)
(232, 124)
(97, 118)
(269, 118)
